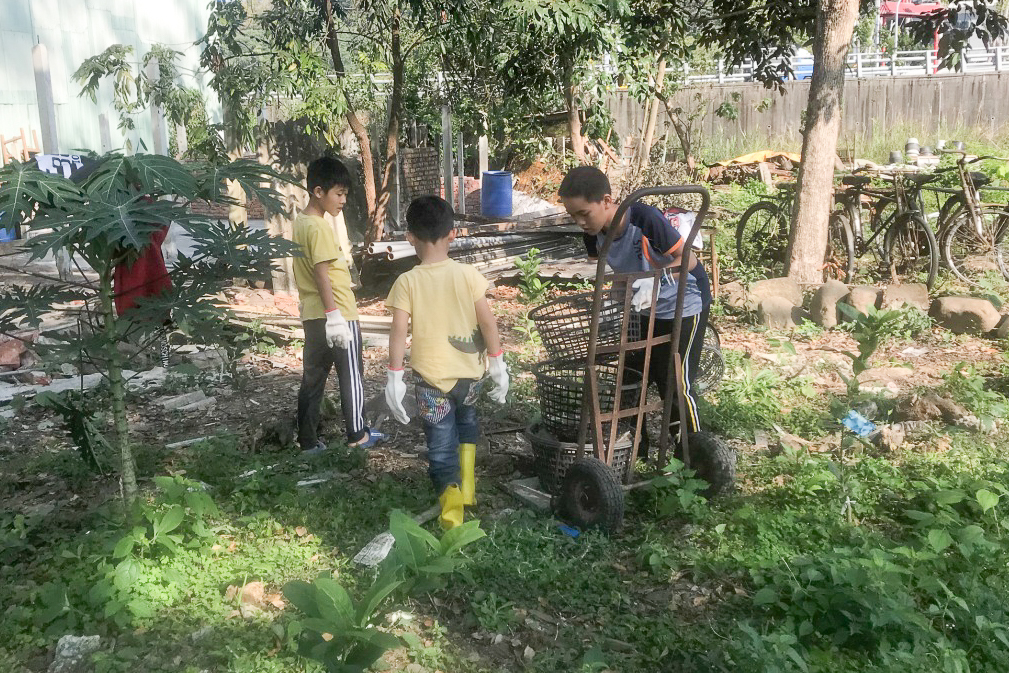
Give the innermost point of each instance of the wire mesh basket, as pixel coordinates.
(552, 457)
(712, 365)
(560, 386)
(564, 324)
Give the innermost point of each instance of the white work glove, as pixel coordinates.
(337, 329)
(499, 375)
(642, 297)
(395, 391)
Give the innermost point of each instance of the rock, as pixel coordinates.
(10, 352)
(965, 315)
(931, 407)
(1002, 331)
(179, 401)
(73, 654)
(823, 308)
(782, 288)
(776, 313)
(861, 298)
(911, 294)
(735, 295)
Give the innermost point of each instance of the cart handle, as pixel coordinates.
(597, 297)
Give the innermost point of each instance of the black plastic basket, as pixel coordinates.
(552, 457)
(560, 386)
(564, 324)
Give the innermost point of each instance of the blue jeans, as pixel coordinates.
(449, 420)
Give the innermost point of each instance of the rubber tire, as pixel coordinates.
(914, 219)
(839, 226)
(591, 497)
(1000, 220)
(714, 461)
(741, 233)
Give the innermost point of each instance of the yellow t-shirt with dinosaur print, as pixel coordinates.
(441, 300)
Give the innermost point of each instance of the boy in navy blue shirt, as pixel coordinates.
(645, 240)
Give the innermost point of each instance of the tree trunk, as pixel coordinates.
(356, 126)
(117, 387)
(574, 119)
(377, 224)
(653, 116)
(835, 23)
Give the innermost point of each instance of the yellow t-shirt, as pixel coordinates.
(318, 244)
(441, 300)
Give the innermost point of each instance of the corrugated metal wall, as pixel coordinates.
(73, 30)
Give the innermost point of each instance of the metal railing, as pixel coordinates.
(870, 64)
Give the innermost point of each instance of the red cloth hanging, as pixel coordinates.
(145, 277)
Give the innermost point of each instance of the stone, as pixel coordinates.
(965, 315)
(861, 298)
(823, 307)
(1002, 330)
(784, 288)
(73, 654)
(179, 401)
(10, 352)
(910, 294)
(734, 295)
(776, 313)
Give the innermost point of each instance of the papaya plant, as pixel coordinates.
(342, 633)
(105, 216)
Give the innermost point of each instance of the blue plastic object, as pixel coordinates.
(496, 194)
(568, 530)
(6, 235)
(858, 424)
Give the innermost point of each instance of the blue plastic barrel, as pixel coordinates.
(496, 194)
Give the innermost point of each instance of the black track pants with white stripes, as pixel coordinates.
(318, 360)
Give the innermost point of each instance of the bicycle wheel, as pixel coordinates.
(912, 255)
(839, 260)
(762, 235)
(971, 253)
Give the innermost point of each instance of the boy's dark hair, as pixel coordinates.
(587, 182)
(430, 218)
(327, 172)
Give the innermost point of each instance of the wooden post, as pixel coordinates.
(44, 93)
(159, 130)
(462, 177)
(181, 139)
(104, 133)
(446, 151)
(484, 155)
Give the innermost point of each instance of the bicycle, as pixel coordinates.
(762, 231)
(900, 245)
(973, 233)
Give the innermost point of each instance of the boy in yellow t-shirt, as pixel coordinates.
(328, 312)
(452, 328)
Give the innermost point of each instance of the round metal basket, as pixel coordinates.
(712, 365)
(552, 457)
(560, 386)
(564, 324)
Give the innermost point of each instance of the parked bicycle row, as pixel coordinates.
(881, 230)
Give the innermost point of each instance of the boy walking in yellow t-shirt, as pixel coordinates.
(328, 312)
(445, 305)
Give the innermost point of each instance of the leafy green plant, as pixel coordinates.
(340, 632)
(678, 492)
(532, 289)
(746, 400)
(874, 328)
(107, 219)
(966, 386)
(78, 412)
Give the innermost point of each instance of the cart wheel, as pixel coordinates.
(714, 461)
(591, 497)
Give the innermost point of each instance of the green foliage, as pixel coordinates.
(340, 632)
(678, 493)
(747, 399)
(77, 411)
(532, 290)
(965, 385)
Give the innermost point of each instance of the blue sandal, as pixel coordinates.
(371, 439)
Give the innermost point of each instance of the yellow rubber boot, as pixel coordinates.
(451, 507)
(467, 469)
